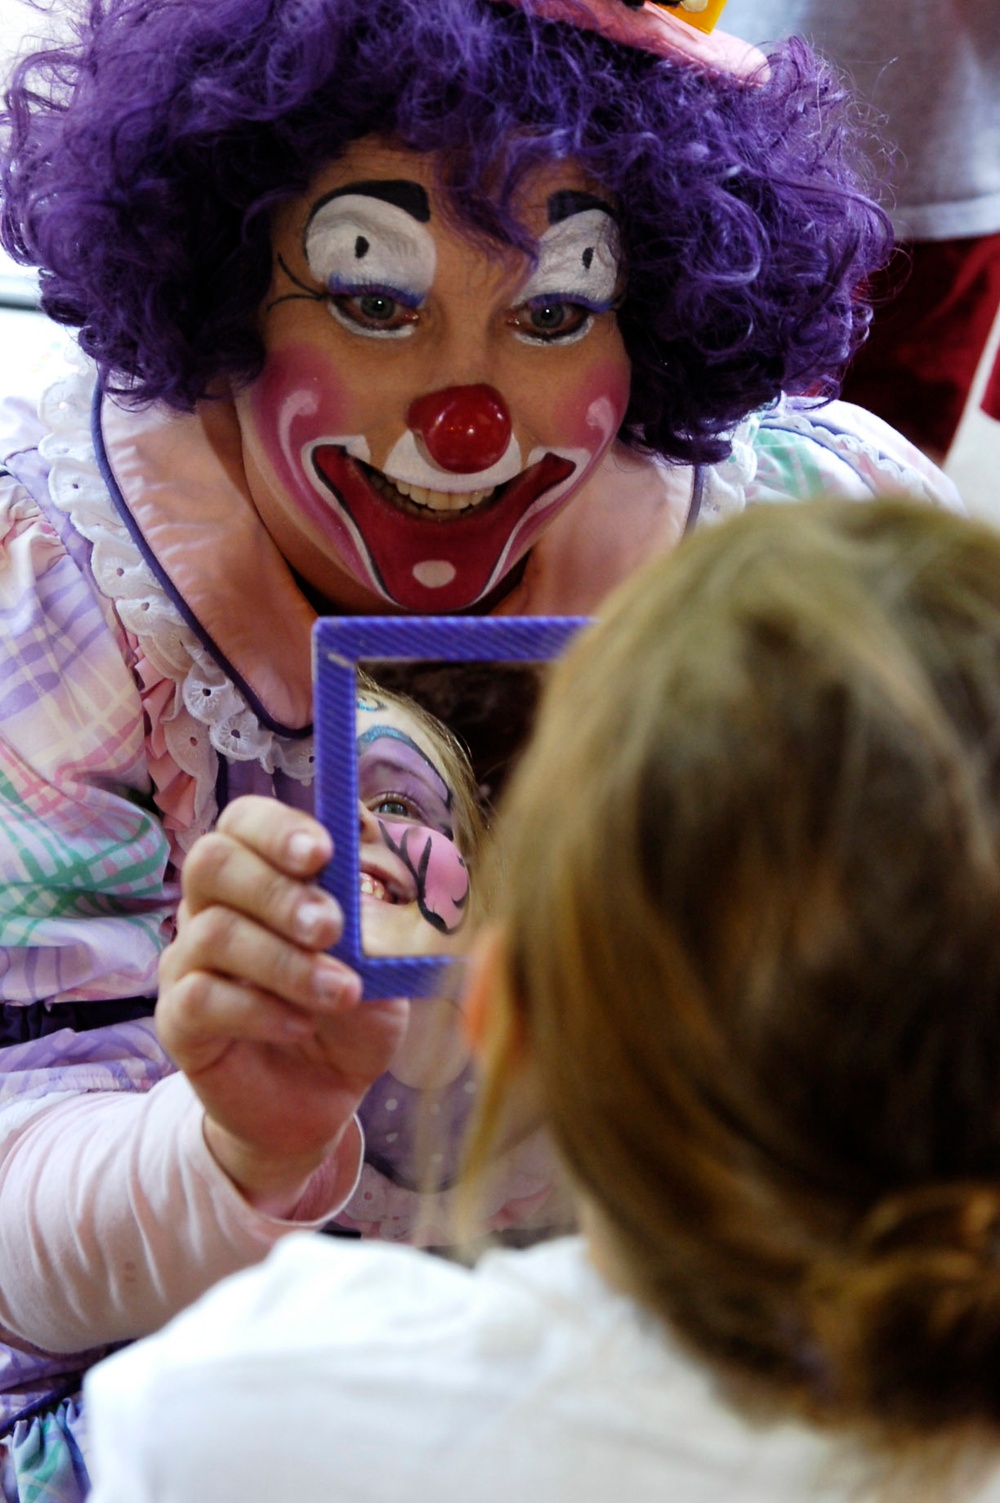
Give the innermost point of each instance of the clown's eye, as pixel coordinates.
(547, 320)
(373, 312)
(373, 253)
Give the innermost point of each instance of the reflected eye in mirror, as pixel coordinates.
(488, 707)
(418, 723)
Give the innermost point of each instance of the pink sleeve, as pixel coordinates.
(130, 1216)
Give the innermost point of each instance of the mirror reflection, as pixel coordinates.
(435, 743)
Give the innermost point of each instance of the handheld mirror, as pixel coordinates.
(480, 676)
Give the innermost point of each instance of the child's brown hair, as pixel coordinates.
(752, 952)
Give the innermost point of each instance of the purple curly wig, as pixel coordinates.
(141, 165)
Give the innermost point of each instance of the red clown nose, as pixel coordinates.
(464, 428)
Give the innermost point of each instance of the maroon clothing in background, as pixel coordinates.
(935, 306)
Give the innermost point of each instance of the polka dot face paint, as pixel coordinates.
(427, 409)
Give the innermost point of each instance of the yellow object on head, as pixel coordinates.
(700, 13)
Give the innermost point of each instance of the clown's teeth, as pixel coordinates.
(371, 887)
(442, 500)
(426, 500)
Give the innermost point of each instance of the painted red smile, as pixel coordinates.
(427, 559)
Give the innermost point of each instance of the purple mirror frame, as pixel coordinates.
(339, 643)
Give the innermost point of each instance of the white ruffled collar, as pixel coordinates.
(178, 481)
(208, 697)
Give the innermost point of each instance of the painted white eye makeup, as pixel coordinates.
(579, 264)
(368, 245)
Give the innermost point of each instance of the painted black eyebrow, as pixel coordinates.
(406, 195)
(569, 201)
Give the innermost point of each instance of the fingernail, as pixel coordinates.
(313, 917)
(303, 849)
(336, 985)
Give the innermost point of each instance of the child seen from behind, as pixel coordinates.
(747, 969)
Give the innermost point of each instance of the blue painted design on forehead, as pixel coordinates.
(566, 202)
(407, 195)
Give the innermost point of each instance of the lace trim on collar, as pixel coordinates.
(205, 699)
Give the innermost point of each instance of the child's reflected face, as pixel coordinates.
(414, 880)
(426, 409)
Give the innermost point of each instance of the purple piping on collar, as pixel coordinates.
(121, 506)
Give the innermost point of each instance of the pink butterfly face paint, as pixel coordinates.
(426, 409)
(438, 870)
(414, 880)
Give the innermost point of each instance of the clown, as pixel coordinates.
(391, 307)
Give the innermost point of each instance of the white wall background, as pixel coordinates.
(32, 351)
(16, 20)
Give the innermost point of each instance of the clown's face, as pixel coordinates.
(426, 409)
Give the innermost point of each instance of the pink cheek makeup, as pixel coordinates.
(589, 418)
(441, 876)
(597, 407)
(298, 398)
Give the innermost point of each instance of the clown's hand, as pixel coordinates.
(268, 1028)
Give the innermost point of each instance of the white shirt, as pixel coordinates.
(378, 1374)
